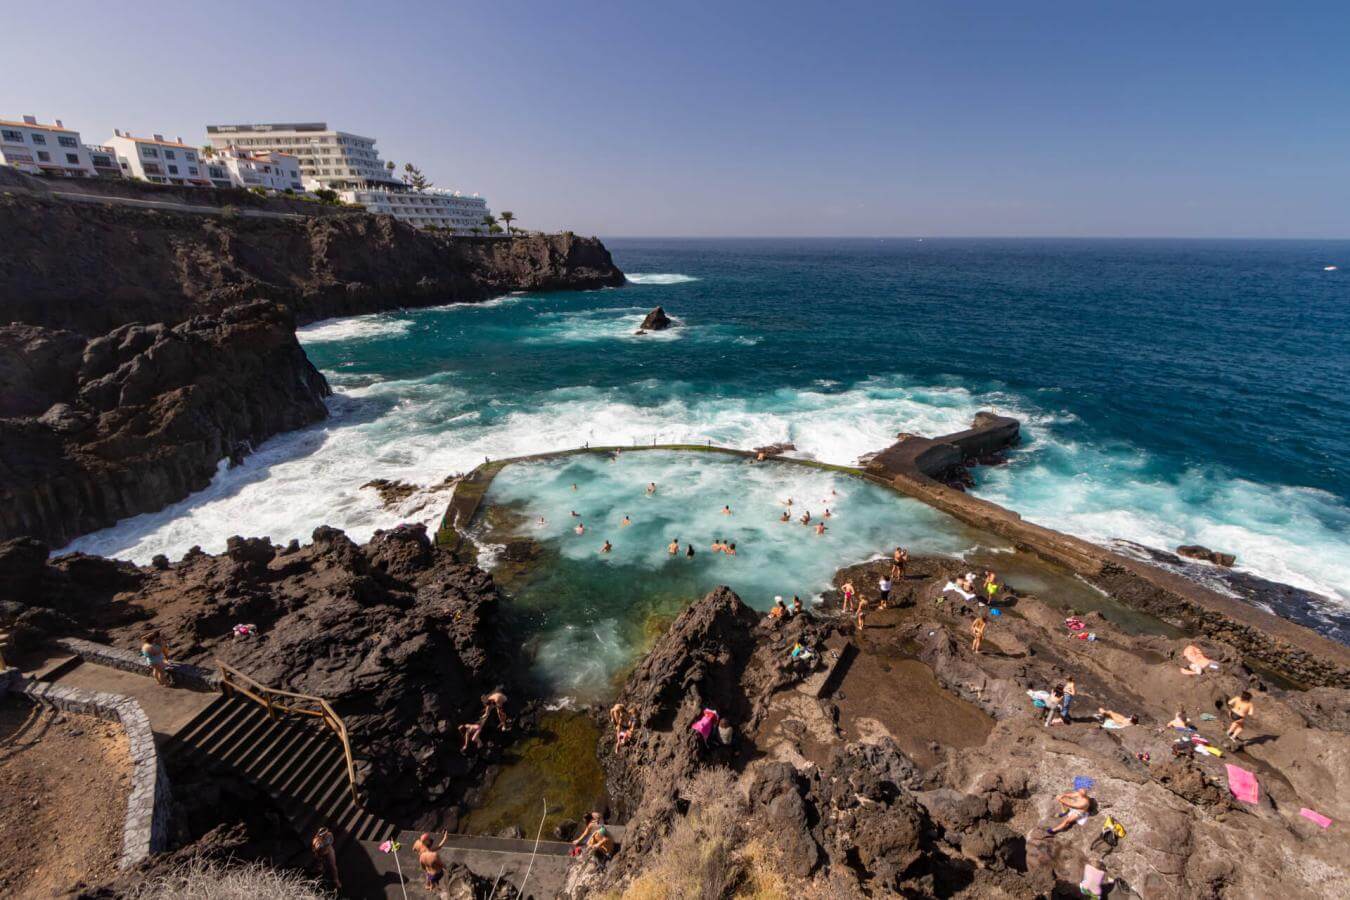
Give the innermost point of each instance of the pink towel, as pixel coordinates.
(1092, 881)
(704, 725)
(1242, 783)
(1314, 816)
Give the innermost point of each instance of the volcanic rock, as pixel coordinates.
(656, 320)
(135, 419)
(164, 266)
(397, 635)
(1195, 551)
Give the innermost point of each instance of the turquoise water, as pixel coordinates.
(588, 613)
(1173, 392)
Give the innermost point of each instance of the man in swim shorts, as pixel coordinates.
(1077, 808)
(1239, 708)
(433, 868)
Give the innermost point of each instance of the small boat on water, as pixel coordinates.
(1330, 268)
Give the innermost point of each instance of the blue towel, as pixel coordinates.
(995, 612)
(1083, 783)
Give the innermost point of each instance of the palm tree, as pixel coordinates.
(391, 167)
(208, 151)
(476, 230)
(488, 221)
(507, 216)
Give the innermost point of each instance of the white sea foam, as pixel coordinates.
(421, 430)
(660, 278)
(1287, 534)
(356, 328)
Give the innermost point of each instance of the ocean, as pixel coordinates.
(1171, 392)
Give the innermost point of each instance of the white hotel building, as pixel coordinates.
(155, 159)
(424, 209)
(55, 150)
(349, 164)
(269, 170)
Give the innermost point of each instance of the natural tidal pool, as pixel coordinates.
(585, 615)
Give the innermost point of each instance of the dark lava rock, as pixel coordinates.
(1195, 551)
(397, 635)
(140, 417)
(656, 320)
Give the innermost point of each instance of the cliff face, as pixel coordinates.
(91, 267)
(92, 431)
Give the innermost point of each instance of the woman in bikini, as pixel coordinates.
(152, 649)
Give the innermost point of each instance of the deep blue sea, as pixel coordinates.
(1172, 391)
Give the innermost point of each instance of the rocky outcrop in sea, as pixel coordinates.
(96, 429)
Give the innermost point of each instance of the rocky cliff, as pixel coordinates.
(91, 267)
(397, 635)
(96, 429)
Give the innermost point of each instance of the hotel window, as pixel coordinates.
(44, 156)
(192, 170)
(169, 154)
(66, 141)
(73, 159)
(150, 151)
(173, 170)
(14, 137)
(191, 157)
(37, 138)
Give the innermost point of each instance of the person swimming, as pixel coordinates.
(689, 551)
(820, 528)
(626, 522)
(673, 547)
(717, 545)
(580, 529)
(806, 517)
(608, 547)
(726, 510)
(785, 517)
(730, 550)
(651, 488)
(828, 514)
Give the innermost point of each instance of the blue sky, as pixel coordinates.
(783, 118)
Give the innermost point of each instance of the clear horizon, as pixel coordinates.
(867, 120)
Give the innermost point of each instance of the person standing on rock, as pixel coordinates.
(1070, 691)
(883, 592)
(899, 559)
(472, 733)
(156, 657)
(849, 593)
(977, 632)
(496, 701)
(322, 848)
(1239, 708)
(433, 868)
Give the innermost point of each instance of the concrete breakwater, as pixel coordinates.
(1274, 643)
(912, 467)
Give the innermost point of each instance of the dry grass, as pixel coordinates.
(707, 855)
(201, 879)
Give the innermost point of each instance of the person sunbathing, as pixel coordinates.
(1077, 808)
(1180, 721)
(1196, 661)
(1112, 719)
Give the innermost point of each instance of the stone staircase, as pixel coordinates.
(296, 761)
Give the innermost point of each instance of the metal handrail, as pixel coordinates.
(233, 680)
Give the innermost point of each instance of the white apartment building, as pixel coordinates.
(45, 149)
(337, 160)
(269, 170)
(155, 159)
(424, 209)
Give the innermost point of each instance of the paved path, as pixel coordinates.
(168, 709)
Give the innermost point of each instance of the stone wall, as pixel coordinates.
(184, 675)
(146, 828)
